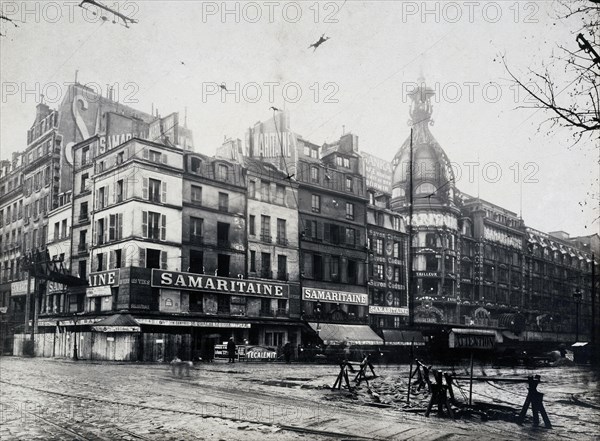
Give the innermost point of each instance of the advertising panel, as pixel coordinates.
(378, 173)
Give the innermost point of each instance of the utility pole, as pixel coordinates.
(593, 301)
(409, 278)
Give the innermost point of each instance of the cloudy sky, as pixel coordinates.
(359, 78)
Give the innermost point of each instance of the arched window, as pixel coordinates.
(425, 188)
(398, 192)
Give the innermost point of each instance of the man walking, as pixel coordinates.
(231, 350)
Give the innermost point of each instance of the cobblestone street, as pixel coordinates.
(55, 399)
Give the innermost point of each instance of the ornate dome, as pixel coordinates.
(433, 177)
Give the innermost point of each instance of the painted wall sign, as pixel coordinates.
(104, 278)
(427, 274)
(116, 328)
(378, 173)
(387, 310)
(203, 282)
(502, 238)
(435, 220)
(324, 295)
(54, 287)
(20, 288)
(144, 321)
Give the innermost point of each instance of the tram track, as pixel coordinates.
(301, 430)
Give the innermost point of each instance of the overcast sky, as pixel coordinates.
(359, 79)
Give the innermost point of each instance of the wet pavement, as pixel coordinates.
(44, 399)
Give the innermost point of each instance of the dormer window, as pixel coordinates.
(222, 172)
(195, 165)
(426, 189)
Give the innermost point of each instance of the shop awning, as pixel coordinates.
(472, 338)
(579, 344)
(117, 323)
(396, 337)
(335, 334)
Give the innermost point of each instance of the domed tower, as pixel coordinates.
(435, 214)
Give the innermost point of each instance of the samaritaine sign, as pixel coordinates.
(225, 285)
(326, 295)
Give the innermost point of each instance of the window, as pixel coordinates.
(196, 194)
(334, 266)
(120, 158)
(154, 190)
(425, 189)
(253, 261)
(349, 211)
(352, 267)
(196, 261)
(84, 179)
(222, 234)
(223, 201)
(281, 267)
(252, 225)
(116, 257)
(223, 269)
(115, 227)
(317, 268)
(279, 194)
(83, 211)
(397, 274)
(101, 166)
(396, 252)
(265, 188)
(56, 230)
(196, 229)
(350, 236)
(85, 152)
(154, 225)
(316, 203)
(311, 229)
(222, 172)
(265, 265)
(64, 229)
(281, 232)
(379, 271)
(265, 228)
(102, 198)
(314, 174)
(379, 246)
(82, 240)
(252, 189)
(100, 261)
(119, 191)
(154, 156)
(349, 185)
(155, 258)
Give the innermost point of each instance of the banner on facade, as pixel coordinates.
(225, 285)
(104, 278)
(325, 295)
(378, 173)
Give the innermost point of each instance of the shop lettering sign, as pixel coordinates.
(387, 310)
(203, 282)
(104, 278)
(324, 295)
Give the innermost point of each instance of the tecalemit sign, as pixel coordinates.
(225, 285)
(325, 295)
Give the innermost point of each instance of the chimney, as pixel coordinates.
(41, 112)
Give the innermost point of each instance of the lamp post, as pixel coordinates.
(75, 355)
(577, 299)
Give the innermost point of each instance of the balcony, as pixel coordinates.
(83, 217)
(282, 276)
(280, 312)
(266, 274)
(82, 248)
(266, 237)
(282, 241)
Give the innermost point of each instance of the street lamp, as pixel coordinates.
(75, 356)
(577, 299)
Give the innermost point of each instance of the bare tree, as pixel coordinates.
(4, 18)
(575, 105)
